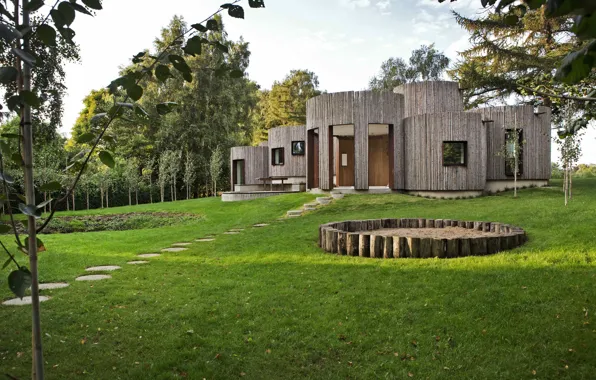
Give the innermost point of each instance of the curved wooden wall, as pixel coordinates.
(359, 108)
(282, 137)
(536, 129)
(423, 138)
(430, 97)
(256, 164)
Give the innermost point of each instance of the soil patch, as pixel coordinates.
(440, 233)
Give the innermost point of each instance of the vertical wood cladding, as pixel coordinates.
(345, 174)
(360, 109)
(430, 97)
(424, 136)
(536, 135)
(256, 162)
(282, 137)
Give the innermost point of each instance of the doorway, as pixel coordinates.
(312, 158)
(238, 173)
(344, 161)
(379, 146)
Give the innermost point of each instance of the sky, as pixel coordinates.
(343, 41)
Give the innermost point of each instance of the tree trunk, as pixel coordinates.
(73, 201)
(162, 190)
(45, 198)
(108, 197)
(515, 169)
(137, 196)
(67, 204)
(570, 184)
(87, 199)
(27, 145)
(150, 189)
(101, 196)
(129, 197)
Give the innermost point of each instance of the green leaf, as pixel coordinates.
(93, 4)
(10, 135)
(40, 246)
(221, 47)
(578, 64)
(107, 159)
(212, 25)
(30, 98)
(140, 112)
(179, 63)
(236, 74)
(256, 3)
(45, 203)
(7, 263)
(58, 18)
(162, 73)
(187, 76)
(165, 108)
(135, 92)
(30, 210)
(98, 117)
(68, 34)
(17, 159)
(51, 186)
(226, 6)
(6, 178)
(236, 11)
(68, 12)
(25, 56)
(5, 148)
(22, 197)
(125, 105)
(14, 103)
(8, 74)
(200, 28)
(19, 281)
(34, 5)
(80, 8)
(86, 138)
(47, 34)
(193, 46)
(511, 20)
(5, 228)
(8, 33)
(137, 58)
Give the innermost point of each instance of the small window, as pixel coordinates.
(298, 148)
(455, 153)
(277, 156)
(514, 145)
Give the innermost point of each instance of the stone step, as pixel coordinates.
(337, 195)
(292, 213)
(310, 206)
(324, 200)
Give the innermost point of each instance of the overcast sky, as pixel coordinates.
(342, 41)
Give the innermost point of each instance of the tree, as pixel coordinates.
(285, 103)
(534, 51)
(569, 146)
(512, 151)
(132, 179)
(215, 167)
(426, 63)
(163, 174)
(190, 173)
(20, 38)
(148, 174)
(173, 162)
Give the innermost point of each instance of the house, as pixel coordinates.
(417, 139)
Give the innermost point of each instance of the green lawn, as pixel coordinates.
(269, 304)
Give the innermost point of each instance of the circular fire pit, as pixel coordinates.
(418, 238)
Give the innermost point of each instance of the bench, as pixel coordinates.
(271, 179)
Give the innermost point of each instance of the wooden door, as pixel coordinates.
(378, 160)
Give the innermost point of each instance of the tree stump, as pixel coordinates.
(439, 223)
(364, 246)
(426, 247)
(470, 225)
(331, 240)
(421, 223)
(430, 223)
(464, 247)
(394, 223)
(401, 249)
(495, 227)
(452, 248)
(438, 248)
(478, 226)
(486, 226)
(386, 223)
(352, 244)
(414, 247)
(388, 247)
(376, 246)
(342, 243)
(461, 224)
(493, 245)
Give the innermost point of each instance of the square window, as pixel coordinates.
(455, 153)
(298, 148)
(277, 156)
(513, 147)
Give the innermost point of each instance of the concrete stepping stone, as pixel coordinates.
(103, 268)
(310, 206)
(231, 233)
(236, 229)
(174, 249)
(205, 240)
(261, 225)
(148, 255)
(138, 262)
(55, 285)
(24, 301)
(337, 195)
(294, 213)
(324, 200)
(181, 244)
(93, 277)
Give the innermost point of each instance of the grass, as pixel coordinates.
(269, 304)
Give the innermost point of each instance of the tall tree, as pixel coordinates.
(285, 103)
(426, 63)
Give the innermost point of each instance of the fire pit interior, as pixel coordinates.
(418, 238)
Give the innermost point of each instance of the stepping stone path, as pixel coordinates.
(140, 262)
(231, 233)
(237, 229)
(94, 277)
(324, 200)
(24, 301)
(103, 268)
(181, 244)
(205, 240)
(310, 206)
(174, 249)
(261, 225)
(337, 195)
(320, 201)
(56, 285)
(294, 213)
(149, 255)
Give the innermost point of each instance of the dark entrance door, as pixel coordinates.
(313, 159)
(238, 173)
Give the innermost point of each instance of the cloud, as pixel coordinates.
(353, 4)
(464, 6)
(384, 5)
(457, 46)
(424, 22)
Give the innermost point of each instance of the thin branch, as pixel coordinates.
(568, 97)
(9, 255)
(105, 128)
(12, 222)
